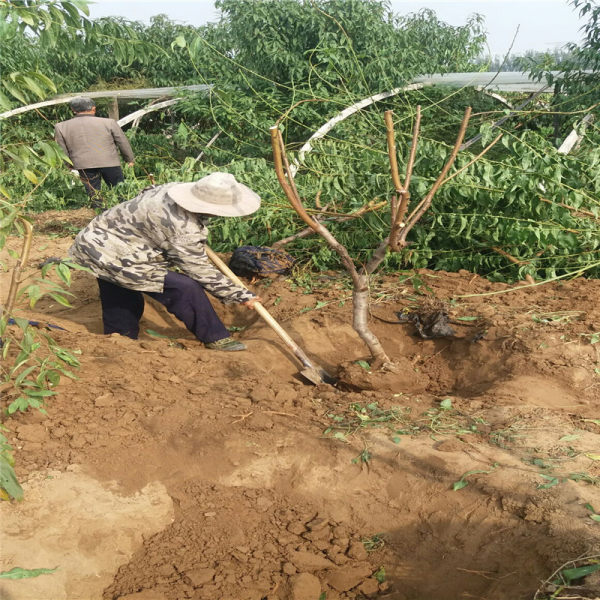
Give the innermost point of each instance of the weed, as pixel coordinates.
(363, 457)
(462, 482)
(445, 420)
(594, 516)
(19, 573)
(593, 338)
(373, 543)
(172, 342)
(418, 284)
(550, 481)
(380, 574)
(559, 584)
(319, 304)
(369, 416)
(562, 316)
(505, 437)
(553, 480)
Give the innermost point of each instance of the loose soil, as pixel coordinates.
(167, 471)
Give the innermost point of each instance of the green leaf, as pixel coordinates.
(179, 41)
(156, 334)
(8, 220)
(60, 299)
(364, 364)
(462, 482)
(39, 393)
(24, 374)
(31, 176)
(578, 572)
(552, 481)
(446, 404)
(467, 318)
(8, 480)
(19, 573)
(595, 517)
(569, 438)
(64, 273)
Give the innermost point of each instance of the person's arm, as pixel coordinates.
(122, 143)
(59, 138)
(187, 253)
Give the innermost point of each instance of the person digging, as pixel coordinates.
(133, 247)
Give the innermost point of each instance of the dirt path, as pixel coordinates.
(226, 477)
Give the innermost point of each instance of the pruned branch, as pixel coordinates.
(292, 196)
(400, 202)
(15, 279)
(474, 159)
(424, 205)
(575, 211)
(369, 207)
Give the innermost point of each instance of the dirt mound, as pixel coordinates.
(468, 471)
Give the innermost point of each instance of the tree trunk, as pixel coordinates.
(113, 109)
(360, 299)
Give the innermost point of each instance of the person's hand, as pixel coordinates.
(130, 164)
(250, 303)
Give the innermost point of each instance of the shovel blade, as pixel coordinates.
(317, 376)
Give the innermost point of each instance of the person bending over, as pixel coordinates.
(132, 248)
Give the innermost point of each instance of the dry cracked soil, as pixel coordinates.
(167, 471)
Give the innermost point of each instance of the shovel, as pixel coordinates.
(312, 373)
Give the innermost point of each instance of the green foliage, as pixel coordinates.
(303, 62)
(20, 573)
(9, 486)
(27, 24)
(31, 361)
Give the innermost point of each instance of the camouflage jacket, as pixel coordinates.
(134, 243)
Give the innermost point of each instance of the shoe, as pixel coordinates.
(227, 344)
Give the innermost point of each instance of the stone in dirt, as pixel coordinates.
(305, 587)
(357, 551)
(199, 577)
(369, 587)
(308, 561)
(144, 595)
(346, 578)
(32, 433)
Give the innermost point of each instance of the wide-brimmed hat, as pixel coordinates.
(216, 194)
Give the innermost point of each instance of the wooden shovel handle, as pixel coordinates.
(261, 310)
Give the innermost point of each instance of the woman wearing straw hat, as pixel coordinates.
(132, 247)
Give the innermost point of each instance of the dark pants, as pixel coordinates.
(92, 181)
(183, 297)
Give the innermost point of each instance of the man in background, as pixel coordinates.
(93, 145)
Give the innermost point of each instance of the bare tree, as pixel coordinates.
(401, 222)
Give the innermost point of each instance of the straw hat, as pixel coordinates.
(216, 194)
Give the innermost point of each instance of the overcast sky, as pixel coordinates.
(539, 24)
